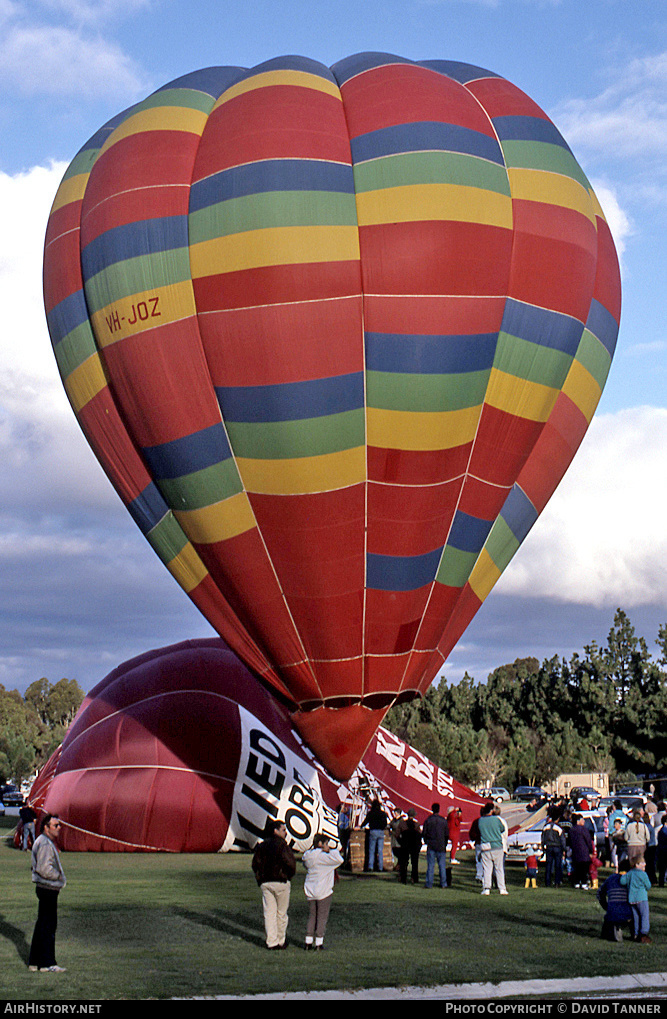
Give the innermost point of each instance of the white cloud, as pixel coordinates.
(602, 540)
(28, 375)
(56, 61)
(95, 12)
(627, 119)
(45, 458)
(618, 220)
(38, 57)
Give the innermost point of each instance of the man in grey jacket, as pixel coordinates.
(48, 877)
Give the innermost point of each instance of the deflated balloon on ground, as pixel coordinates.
(183, 750)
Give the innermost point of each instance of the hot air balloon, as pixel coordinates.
(183, 750)
(335, 335)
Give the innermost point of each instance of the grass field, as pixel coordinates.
(159, 926)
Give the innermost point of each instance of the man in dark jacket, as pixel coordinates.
(553, 844)
(435, 834)
(274, 866)
(581, 844)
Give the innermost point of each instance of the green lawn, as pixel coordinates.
(159, 926)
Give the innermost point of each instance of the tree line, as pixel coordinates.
(529, 723)
(32, 726)
(603, 711)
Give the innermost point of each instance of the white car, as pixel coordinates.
(519, 843)
(497, 793)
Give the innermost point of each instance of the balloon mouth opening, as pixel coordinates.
(373, 702)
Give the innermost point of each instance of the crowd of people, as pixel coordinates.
(634, 847)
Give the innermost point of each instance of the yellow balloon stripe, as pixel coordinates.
(409, 430)
(582, 389)
(85, 382)
(71, 190)
(303, 475)
(254, 249)
(417, 202)
(516, 396)
(551, 189)
(158, 118)
(187, 569)
(150, 308)
(484, 575)
(268, 79)
(219, 521)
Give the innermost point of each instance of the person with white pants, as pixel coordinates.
(492, 832)
(274, 866)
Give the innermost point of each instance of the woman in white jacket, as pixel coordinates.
(320, 862)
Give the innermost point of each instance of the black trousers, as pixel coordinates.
(406, 857)
(43, 947)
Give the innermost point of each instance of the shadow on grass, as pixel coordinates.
(17, 938)
(234, 924)
(556, 924)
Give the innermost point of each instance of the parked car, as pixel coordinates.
(627, 802)
(11, 796)
(583, 792)
(526, 793)
(520, 841)
(497, 793)
(631, 790)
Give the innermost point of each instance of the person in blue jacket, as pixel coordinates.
(637, 882)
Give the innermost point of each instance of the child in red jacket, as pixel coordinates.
(593, 868)
(531, 868)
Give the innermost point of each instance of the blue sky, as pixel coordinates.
(80, 590)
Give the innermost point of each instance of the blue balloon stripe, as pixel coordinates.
(468, 533)
(292, 401)
(148, 508)
(430, 355)
(543, 327)
(132, 240)
(401, 573)
(350, 67)
(518, 513)
(425, 136)
(191, 453)
(529, 129)
(67, 316)
(212, 81)
(460, 72)
(271, 175)
(603, 325)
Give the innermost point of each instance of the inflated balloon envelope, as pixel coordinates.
(335, 335)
